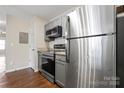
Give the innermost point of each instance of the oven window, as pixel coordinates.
(48, 65)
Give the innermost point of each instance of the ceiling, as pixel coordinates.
(45, 11)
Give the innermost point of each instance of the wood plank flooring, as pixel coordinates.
(25, 78)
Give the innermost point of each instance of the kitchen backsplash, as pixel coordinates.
(56, 41)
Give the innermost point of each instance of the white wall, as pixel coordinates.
(40, 38)
(16, 54)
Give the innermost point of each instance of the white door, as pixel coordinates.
(32, 49)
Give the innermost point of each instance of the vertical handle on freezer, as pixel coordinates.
(67, 26)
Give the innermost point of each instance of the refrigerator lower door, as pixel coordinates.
(74, 60)
(98, 62)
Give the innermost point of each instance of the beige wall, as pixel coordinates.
(17, 55)
(40, 43)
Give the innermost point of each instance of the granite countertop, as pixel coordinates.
(42, 50)
(61, 53)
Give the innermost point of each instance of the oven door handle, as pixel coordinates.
(47, 57)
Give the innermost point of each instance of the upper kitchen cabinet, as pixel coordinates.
(53, 23)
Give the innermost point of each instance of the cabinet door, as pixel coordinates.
(57, 22)
(60, 69)
(53, 23)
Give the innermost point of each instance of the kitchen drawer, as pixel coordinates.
(60, 73)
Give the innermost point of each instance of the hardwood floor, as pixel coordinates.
(25, 78)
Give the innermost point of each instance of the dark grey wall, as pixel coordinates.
(120, 50)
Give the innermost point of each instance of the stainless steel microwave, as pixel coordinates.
(54, 32)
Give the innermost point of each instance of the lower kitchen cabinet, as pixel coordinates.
(39, 61)
(60, 73)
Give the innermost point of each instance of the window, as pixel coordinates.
(2, 44)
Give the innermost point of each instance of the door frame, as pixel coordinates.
(32, 47)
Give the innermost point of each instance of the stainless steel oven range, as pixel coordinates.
(48, 65)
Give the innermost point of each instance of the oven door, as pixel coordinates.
(48, 65)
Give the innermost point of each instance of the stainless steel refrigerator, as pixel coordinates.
(91, 47)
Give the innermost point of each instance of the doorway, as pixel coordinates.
(2, 43)
(32, 47)
(2, 52)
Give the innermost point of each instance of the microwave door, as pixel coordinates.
(55, 32)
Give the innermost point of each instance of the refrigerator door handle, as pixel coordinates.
(67, 35)
(68, 41)
(68, 51)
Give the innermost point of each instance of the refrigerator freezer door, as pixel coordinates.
(92, 20)
(74, 24)
(97, 20)
(98, 66)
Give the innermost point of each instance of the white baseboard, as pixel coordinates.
(20, 68)
(11, 70)
(36, 70)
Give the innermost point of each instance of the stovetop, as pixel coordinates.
(59, 49)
